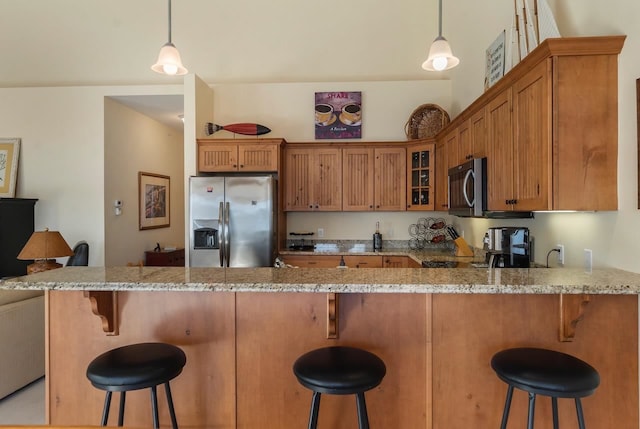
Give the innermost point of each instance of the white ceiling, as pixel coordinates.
(114, 42)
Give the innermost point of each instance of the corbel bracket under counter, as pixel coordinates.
(105, 305)
(332, 315)
(571, 312)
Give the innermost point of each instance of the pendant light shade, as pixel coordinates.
(169, 61)
(440, 55)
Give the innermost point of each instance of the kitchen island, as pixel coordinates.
(436, 330)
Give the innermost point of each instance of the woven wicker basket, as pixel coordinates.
(426, 121)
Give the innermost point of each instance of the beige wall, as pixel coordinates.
(134, 142)
(62, 155)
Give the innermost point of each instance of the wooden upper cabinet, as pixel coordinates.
(213, 157)
(313, 179)
(478, 134)
(500, 188)
(258, 157)
(390, 179)
(223, 155)
(374, 179)
(357, 174)
(421, 176)
(442, 177)
(585, 129)
(465, 143)
(451, 141)
(532, 139)
(549, 130)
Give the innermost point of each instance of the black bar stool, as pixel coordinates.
(134, 367)
(339, 371)
(545, 372)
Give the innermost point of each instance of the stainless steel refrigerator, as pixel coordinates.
(232, 221)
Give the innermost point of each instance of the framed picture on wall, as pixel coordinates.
(9, 153)
(338, 115)
(153, 200)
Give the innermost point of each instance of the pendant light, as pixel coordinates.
(169, 58)
(440, 55)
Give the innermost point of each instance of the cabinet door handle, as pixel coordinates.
(241, 165)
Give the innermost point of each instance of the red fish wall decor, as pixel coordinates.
(246, 129)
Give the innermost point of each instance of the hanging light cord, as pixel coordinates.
(170, 20)
(439, 19)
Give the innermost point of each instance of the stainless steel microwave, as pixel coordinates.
(468, 188)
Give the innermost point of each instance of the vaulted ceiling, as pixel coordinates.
(114, 42)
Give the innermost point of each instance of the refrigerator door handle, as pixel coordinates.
(227, 236)
(221, 233)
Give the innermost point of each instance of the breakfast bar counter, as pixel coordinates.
(435, 329)
(373, 280)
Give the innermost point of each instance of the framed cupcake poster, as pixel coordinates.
(338, 115)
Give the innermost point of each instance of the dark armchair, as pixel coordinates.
(80, 255)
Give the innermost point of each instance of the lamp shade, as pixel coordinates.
(169, 61)
(440, 56)
(45, 245)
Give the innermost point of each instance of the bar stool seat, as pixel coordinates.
(134, 367)
(339, 371)
(545, 372)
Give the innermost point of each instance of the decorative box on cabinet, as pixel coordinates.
(16, 226)
(164, 258)
(228, 155)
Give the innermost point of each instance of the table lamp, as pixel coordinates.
(43, 247)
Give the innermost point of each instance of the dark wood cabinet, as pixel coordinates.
(16, 226)
(164, 258)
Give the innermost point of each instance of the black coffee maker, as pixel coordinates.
(508, 247)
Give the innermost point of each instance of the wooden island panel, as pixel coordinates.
(202, 324)
(468, 330)
(275, 329)
(241, 347)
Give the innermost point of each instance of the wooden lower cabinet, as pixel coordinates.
(351, 261)
(437, 349)
(399, 262)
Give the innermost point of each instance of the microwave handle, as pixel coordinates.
(464, 188)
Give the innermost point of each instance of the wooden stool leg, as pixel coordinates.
(154, 408)
(172, 413)
(532, 408)
(580, 415)
(105, 409)
(123, 398)
(554, 408)
(363, 418)
(315, 406)
(507, 407)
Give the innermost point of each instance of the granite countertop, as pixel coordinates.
(369, 280)
(419, 255)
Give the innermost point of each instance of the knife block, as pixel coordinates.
(462, 248)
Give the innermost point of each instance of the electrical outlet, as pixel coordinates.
(320, 232)
(588, 260)
(560, 254)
